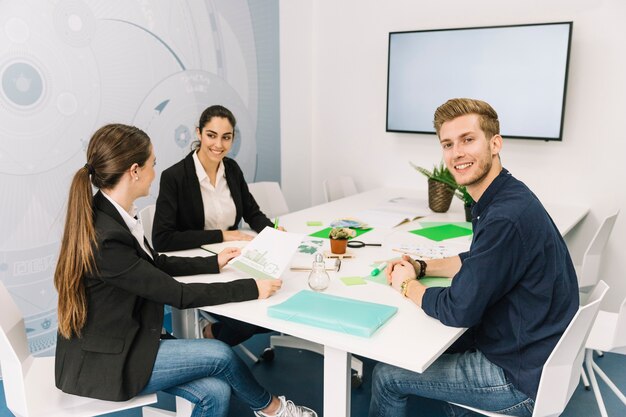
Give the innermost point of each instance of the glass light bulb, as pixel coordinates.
(318, 278)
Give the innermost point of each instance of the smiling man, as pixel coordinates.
(515, 289)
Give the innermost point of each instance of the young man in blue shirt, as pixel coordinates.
(515, 289)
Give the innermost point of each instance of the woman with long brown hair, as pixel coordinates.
(112, 287)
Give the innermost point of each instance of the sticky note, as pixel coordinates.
(353, 280)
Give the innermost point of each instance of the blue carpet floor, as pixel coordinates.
(298, 375)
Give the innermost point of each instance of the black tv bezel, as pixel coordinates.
(563, 103)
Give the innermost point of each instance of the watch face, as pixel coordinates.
(68, 67)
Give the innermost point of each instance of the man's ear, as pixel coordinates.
(496, 144)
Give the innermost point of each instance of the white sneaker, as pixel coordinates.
(289, 409)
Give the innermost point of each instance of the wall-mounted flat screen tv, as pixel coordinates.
(521, 70)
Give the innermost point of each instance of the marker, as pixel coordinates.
(379, 268)
(275, 222)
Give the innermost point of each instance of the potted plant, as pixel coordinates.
(461, 192)
(441, 186)
(339, 239)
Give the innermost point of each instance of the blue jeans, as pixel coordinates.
(465, 378)
(205, 371)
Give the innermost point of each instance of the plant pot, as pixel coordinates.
(338, 246)
(439, 196)
(468, 213)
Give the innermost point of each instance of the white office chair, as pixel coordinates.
(607, 335)
(183, 409)
(561, 371)
(588, 271)
(146, 216)
(270, 198)
(338, 187)
(29, 381)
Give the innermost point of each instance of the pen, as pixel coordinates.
(275, 222)
(379, 268)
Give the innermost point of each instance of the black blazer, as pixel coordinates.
(179, 217)
(113, 358)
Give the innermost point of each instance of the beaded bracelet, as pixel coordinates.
(422, 272)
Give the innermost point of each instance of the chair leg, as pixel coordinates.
(608, 382)
(247, 352)
(583, 377)
(594, 383)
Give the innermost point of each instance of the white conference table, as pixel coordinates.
(410, 339)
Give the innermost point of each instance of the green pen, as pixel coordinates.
(275, 222)
(379, 268)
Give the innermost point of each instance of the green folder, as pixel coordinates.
(324, 232)
(442, 232)
(345, 315)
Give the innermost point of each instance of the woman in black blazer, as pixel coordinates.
(181, 215)
(112, 287)
(202, 199)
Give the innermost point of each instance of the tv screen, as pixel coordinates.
(520, 70)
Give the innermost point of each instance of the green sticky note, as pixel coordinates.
(443, 232)
(436, 281)
(353, 280)
(314, 223)
(324, 232)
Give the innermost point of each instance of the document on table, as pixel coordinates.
(393, 212)
(268, 254)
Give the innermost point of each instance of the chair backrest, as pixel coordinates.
(28, 381)
(14, 352)
(590, 268)
(619, 339)
(269, 197)
(561, 372)
(338, 187)
(146, 215)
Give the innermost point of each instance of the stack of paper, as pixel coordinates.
(393, 212)
(268, 254)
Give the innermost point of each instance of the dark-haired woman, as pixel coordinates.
(203, 197)
(202, 200)
(112, 287)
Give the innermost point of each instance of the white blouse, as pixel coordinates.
(219, 208)
(135, 226)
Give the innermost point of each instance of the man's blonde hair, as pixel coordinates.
(453, 108)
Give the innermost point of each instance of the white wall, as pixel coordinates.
(341, 98)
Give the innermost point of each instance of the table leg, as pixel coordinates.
(337, 380)
(185, 323)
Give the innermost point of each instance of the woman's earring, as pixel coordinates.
(136, 178)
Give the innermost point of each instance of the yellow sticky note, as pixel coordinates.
(353, 280)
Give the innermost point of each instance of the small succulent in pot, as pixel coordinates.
(341, 233)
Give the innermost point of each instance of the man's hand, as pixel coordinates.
(392, 264)
(402, 271)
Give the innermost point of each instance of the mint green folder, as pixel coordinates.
(345, 315)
